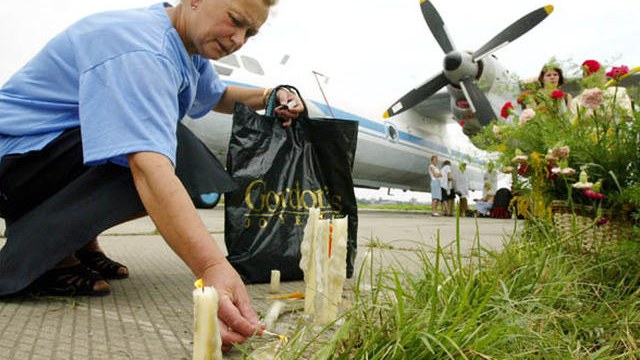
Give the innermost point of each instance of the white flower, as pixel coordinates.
(497, 130)
(568, 171)
(527, 114)
(583, 185)
(520, 159)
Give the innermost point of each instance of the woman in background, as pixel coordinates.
(436, 193)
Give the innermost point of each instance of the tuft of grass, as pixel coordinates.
(541, 297)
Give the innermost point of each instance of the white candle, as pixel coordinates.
(207, 344)
(324, 262)
(275, 281)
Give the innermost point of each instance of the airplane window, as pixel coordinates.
(252, 65)
(221, 70)
(230, 60)
(391, 133)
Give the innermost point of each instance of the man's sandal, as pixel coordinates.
(98, 261)
(76, 280)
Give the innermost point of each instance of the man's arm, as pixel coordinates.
(171, 209)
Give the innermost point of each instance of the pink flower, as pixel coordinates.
(590, 194)
(527, 114)
(557, 94)
(591, 66)
(591, 98)
(507, 109)
(618, 71)
(561, 152)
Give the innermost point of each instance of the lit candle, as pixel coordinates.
(207, 344)
(275, 281)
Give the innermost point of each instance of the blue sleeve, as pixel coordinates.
(129, 104)
(210, 90)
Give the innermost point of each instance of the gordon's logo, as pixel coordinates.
(289, 202)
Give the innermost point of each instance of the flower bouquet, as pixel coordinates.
(583, 157)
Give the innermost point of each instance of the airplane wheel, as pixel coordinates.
(206, 201)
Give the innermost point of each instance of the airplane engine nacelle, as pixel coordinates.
(499, 86)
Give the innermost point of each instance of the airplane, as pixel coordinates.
(426, 121)
(388, 154)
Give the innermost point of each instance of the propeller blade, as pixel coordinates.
(478, 101)
(417, 95)
(513, 31)
(436, 25)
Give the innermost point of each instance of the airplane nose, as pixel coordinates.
(452, 61)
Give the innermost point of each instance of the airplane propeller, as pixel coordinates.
(462, 68)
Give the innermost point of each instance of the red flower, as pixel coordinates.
(592, 195)
(591, 66)
(602, 221)
(618, 71)
(524, 95)
(551, 174)
(462, 122)
(507, 109)
(523, 169)
(557, 94)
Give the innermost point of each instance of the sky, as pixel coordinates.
(377, 48)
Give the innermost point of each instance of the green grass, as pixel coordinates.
(541, 297)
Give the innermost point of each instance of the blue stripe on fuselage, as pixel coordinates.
(377, 130)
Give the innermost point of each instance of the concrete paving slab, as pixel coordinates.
(149, 315)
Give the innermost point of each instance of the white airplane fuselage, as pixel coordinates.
(390, 153)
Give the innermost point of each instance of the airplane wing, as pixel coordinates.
(437, 107)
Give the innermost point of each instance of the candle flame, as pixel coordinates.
(283, 338)
(199, 284)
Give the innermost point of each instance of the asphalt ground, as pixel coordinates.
(150, 314)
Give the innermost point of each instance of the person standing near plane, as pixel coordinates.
(96, 112)
(446, 183)
(436, 190)
(461, 186)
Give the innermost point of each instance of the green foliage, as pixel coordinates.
(539, 298)
(596, 137)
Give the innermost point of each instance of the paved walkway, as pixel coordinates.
(149, 315)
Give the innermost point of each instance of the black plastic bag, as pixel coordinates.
(281, 173)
